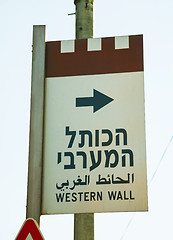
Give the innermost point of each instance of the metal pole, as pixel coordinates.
(36, 125)
(84, 223)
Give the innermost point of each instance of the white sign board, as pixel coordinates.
(94, 143)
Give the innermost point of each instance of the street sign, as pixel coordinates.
(29, 231)
(94, 134)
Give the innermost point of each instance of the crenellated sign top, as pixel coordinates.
(94, 56)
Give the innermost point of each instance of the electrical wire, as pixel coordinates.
(151, 180)
(166, 149)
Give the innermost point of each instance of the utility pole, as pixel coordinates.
(84, 223)
(84, 18)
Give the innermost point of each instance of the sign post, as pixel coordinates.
(33, 209)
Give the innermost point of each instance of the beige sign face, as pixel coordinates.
(94, 144)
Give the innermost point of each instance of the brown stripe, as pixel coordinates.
(83, 62)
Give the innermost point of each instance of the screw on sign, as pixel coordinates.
(29, 231)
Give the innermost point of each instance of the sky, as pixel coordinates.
(151, 18)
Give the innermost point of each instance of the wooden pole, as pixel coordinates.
(84, 18)
(36, 125)
(84, 223)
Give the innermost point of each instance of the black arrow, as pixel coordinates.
(98, 101)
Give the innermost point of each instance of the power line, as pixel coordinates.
(151, 180)
(166, 149)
